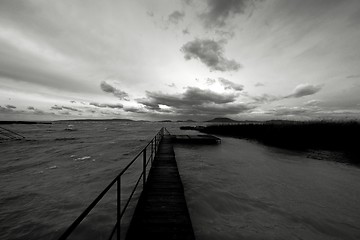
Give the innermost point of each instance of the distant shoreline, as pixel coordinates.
(303, 136)
(25, 122)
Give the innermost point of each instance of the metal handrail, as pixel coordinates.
(120, 212)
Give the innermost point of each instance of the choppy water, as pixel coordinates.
(235, 190)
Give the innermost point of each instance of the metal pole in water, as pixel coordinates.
(152, 151)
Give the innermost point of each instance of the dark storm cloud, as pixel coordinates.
(107, 105)
(231, 85)
(106, 87)
(210, 53)
(176, 16)
(194, 101)
(10, 106)
(304, 90)
(191, 97)
(219, 11)
(30, 108)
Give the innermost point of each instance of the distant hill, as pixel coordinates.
(189, 120)
(221, 120)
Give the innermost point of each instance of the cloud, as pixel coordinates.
(210, 53)
(12, 110)
(197, 95)
(106, 87)
(224, 109)
(10, 106)
(231, 85)
(150, 102)
(172, 85)
(194, 101)
(313, 103)
(37, 111)
(107, 105)
(191, 97)
(353, 76)
(210, 81)
(134, 110)
(185, 31)
(265, 98)
(176, 16)
(225, 34)
(71, 109)
(219, 11)
(300, 91)
(7, 110)
(304, 90)
(259, 84)
(56, 107)
(150, 13)
(188, 2)
(289, 111)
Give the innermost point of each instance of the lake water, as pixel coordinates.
(235, 190)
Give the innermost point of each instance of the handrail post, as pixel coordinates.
(118, 193)
(155, 144)
(152, 151)
(144, 168)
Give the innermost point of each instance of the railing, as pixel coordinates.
(153, 144)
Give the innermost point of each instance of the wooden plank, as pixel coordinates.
(161, 212)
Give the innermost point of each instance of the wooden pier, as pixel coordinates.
(161, 212)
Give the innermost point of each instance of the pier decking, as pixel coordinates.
(161, 212)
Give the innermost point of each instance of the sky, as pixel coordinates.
(179, 59)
